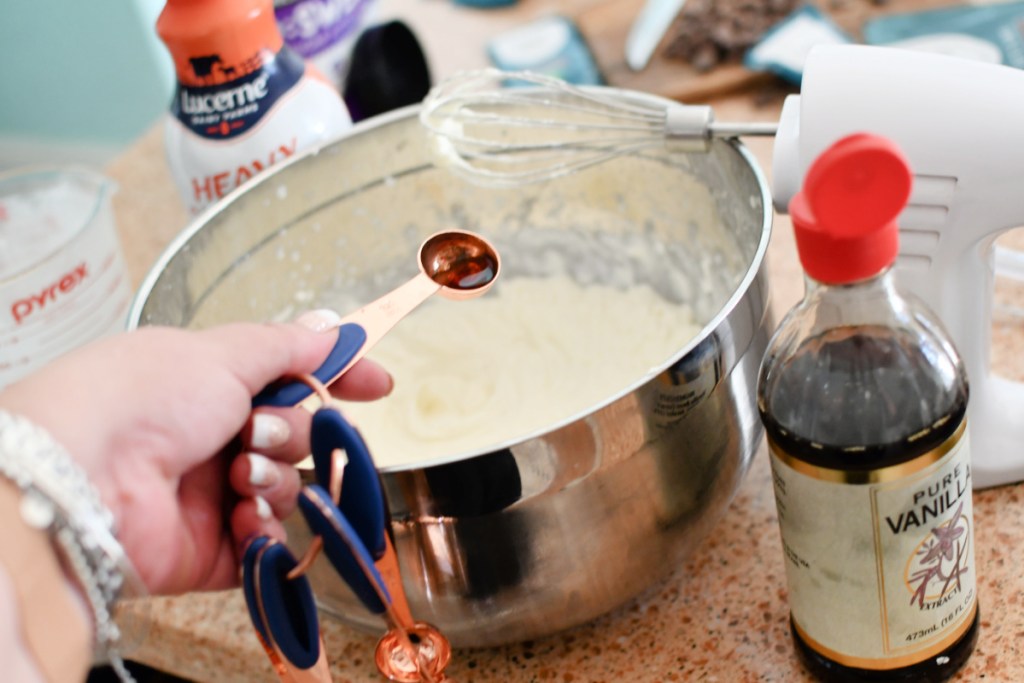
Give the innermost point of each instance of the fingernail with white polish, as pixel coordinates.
(319, 320)
(263, 509)
(269, 431)
(262, 472)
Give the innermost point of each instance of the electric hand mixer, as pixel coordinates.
(959, 124)
(957, 121)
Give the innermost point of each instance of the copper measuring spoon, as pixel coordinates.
(346, 512)
(457, 264)
(358, 545)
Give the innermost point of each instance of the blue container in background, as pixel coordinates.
(551, 45)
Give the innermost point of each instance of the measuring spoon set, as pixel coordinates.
(345, 508)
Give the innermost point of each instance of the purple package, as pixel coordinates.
(324, 31)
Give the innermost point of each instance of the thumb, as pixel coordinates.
(258, 354)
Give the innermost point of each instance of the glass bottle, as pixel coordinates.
(864, 402)
(244, 100)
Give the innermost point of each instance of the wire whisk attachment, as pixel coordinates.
(490, 130)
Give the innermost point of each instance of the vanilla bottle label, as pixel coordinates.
(880, 564)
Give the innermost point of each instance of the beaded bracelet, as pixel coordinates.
(58, 498)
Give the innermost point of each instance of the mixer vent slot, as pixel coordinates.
(930, 199)
(923, 218)
(933, 190)
(918, 241)
(913, 263)
(918, 246)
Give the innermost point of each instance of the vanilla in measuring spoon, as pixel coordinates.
(456, 264)
(460, 261)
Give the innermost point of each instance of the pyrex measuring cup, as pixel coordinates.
(63, 280)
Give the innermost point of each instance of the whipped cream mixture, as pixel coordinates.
(530, 353)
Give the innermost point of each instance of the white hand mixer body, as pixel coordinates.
(960, 124)
(957, 121)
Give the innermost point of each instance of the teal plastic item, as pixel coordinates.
(988, 33)
(784, 47)
(81, 80)
(552, 46)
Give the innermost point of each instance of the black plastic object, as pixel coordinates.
(362, 499)
(387, 70)
(351, 338)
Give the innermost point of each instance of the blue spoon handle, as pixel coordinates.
(351, 339)
(250, 562)
(362, 498)
(344, 548)
(282, 609)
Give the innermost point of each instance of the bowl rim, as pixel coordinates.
(754, 267)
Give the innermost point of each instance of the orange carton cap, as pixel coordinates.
(215, 41)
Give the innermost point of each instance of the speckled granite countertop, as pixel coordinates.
(722, 616)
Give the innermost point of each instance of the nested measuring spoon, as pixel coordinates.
(283, 612)
(345, 510)
(346, 513)
(410, 651)
(458, 265)
(277, 593)
(455, 264)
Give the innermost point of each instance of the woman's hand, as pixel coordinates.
(161, 421)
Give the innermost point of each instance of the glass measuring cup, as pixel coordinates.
(63, 279)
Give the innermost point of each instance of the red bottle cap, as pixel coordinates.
(845, 215)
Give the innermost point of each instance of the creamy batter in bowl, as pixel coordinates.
(532, 352)
(559, 519)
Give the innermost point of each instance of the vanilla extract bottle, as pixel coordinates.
(864, 402)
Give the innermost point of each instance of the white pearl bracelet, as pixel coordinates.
(58, 498)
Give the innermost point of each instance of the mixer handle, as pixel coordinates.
(967, 190)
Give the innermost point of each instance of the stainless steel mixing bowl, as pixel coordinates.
(565, 524)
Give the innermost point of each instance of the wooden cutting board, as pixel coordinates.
(605, 24)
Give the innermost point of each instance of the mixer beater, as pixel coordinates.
(502, 136)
